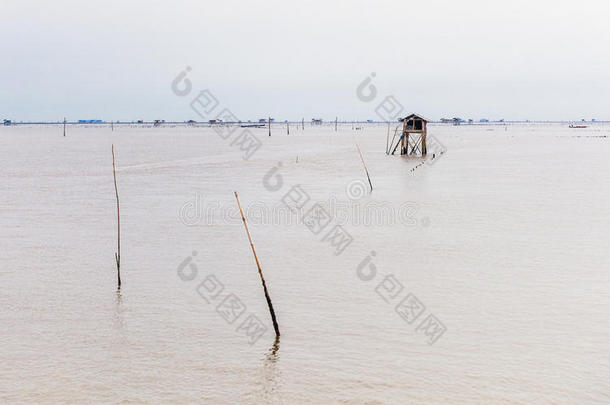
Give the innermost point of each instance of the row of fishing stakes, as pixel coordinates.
(303, 126)
(288, 126)
(416, 166)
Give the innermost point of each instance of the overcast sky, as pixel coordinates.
(115, 60)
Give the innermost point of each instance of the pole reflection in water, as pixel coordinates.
(271, 376)
(118, 321)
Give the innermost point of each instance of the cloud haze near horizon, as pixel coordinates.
(115, 60)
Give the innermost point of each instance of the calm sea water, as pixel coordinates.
(497, 254)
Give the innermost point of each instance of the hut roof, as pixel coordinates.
(409, 117)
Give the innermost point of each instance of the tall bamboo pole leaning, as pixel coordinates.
(260, 271)
(117, 254)
(364, 164)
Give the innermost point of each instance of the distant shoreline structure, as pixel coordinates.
(251, 124)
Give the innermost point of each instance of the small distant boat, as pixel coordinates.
(253, 125)
(577, 126)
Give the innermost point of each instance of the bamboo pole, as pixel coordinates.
(405, 134)
(303, 123)
(364, 164)
(287, 128)
(336, 118)
(64, 126)
(269, 126)
(397, 143)
(424, 147)
(117, 254)
(260, 271)
(387, 139)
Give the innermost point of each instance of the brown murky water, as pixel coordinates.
(496, 254)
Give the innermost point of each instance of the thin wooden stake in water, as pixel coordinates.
(336, 118)
(287, 128)
(117, 254)
(269, 126)
(303, 123)
(64, 126)
(387, 139)
(260, 271)
(364, 164)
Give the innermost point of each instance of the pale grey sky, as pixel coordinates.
(115, 60)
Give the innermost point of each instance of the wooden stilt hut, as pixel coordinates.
(413, 138)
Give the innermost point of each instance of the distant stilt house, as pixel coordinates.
(316, 121)
(413, 138)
